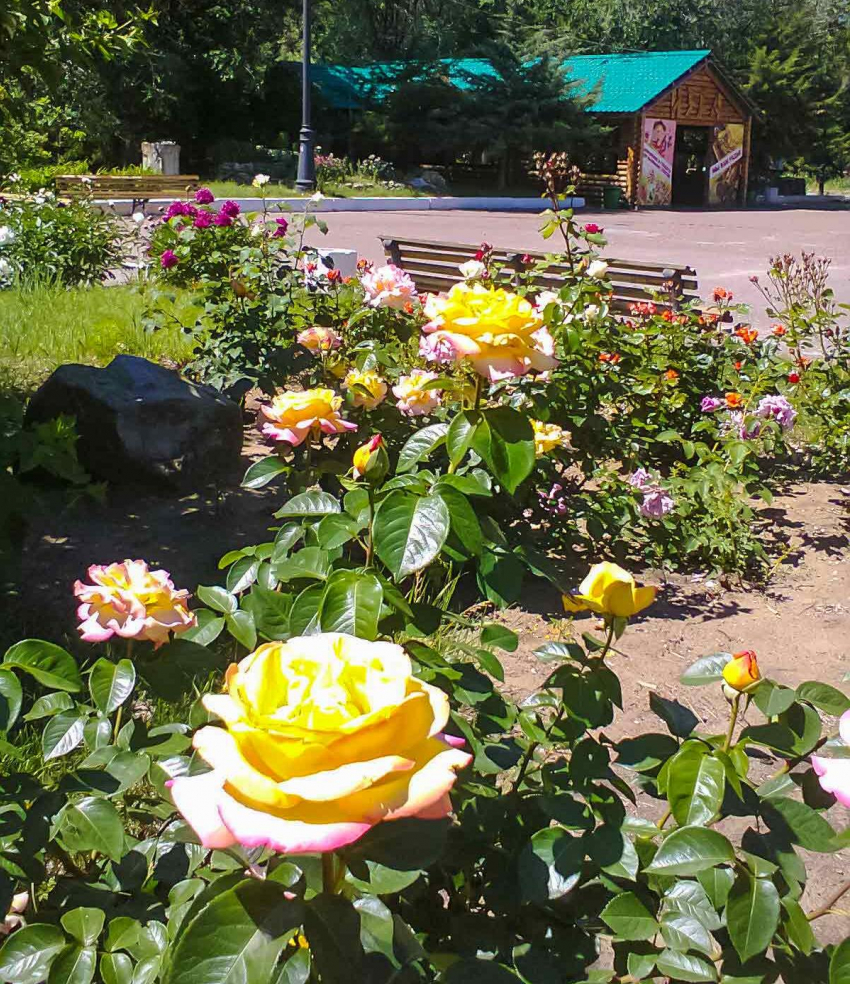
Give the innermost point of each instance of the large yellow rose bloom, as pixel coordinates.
(324, 736)
(609, 590)
(295, 415)
(501, 333)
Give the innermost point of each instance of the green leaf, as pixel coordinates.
(707, 669)
(219, 599)
(48, 705)
(50, 665)
(647, 752)
(382, 880)
(828, 699)
(505, 440)
(717, 883)
(296, 970)
(85, 925)
(695, 785)
(691, 899)
(376, 926)
(403, 845)
(304, 617)
(93, 824)
(123, 933)
(241, 626)
(11, 698)
(689, 850)
(237, 938)
(352, 604)
(500, 577)
(332, 927)
(116, 968)
(27, 954)
(640, 965)
(802, 824)
(309, 505)
(550, 865)
(261, 472)
(73, 965)
(461, 434)
(798, 928)
(242, 574)
(772, 699)
(208, 629)
(464, 523)
(419, 445)
(839, 963)
(111, 683)
(679, 719)
(62, 734)
(752, 914)
(629, 918)
(334, 531)
(493, 634)
(472, 971)
(684, 932)
(410, 531)
(685, 967)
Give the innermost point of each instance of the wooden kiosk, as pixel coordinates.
(682, 128)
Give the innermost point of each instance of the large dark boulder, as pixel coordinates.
(141, 422)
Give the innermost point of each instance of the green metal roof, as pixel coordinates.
(616, 83)
(626, 83)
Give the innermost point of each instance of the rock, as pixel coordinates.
(427, 181)
(140, 422)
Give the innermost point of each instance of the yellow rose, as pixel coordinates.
(547, 437)
(742, 671)
(370, 460)
(376, 388)
(609, 590)
(501, 333)
(296, 415)
(324, 736)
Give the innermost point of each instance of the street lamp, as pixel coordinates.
(306, 180)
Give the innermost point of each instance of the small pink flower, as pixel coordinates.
(203, 196)
(131, 601)
(656, 503)
(230, 208)
(318, 339)
(413, 396)
(202, 220)
(222, 220)
(168, 259)
(282, 225)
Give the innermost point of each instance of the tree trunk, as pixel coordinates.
(821, 185)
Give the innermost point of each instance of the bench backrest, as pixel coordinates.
(133, 186)
(434, 268)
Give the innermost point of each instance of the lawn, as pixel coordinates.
(230, 189)
(43, 327)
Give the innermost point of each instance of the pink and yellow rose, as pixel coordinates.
(834, 773)
(131, 601)
(388, 286)
(501, 333)
(366, 387)
(319, 339)
(413, 394)
(324, 736)
(295, 416)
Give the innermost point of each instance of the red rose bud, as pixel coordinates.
(793, 377)
(742, 671)
(371, 461)
(593, 229)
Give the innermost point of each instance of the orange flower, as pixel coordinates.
(742, 671)
(722, 294)
(739, 366)
(779, 330)
(747, 334)
(734, 400)
(671, 375)
(612, 357)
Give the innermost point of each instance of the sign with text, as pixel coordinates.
(726, 170)
(656, 166)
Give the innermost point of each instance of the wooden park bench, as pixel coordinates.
(434, 268)
(137, 188)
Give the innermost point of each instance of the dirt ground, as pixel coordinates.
(725, 246)
(799, 624)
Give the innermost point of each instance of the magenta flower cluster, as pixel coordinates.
(709, 404)
(778, 408)
(168, 259)
(552, 501)
(203, 196)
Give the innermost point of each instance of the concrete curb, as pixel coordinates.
(490, 204)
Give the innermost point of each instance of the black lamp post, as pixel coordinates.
(306, 180)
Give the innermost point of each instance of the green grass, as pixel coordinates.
(230, 189)
(835, 186)
(43, 327)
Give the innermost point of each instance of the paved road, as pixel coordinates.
(725, 248)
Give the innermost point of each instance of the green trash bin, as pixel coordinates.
(611, 196)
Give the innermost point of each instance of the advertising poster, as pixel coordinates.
(656, 165)
(727, 163)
